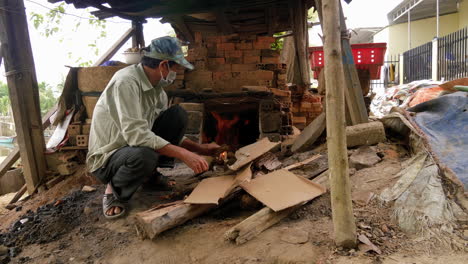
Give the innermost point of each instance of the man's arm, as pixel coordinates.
(203, 149)
(195, 162)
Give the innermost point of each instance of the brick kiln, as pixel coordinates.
(238, 92)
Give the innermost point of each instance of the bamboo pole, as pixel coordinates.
(342, 210)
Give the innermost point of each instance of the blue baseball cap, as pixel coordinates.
(167, 48)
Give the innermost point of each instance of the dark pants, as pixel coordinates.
(127, 168)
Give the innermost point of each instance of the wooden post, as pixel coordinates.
(342, 209)
(353, 90)
(23, 88)
(298, 14)
(138, 40)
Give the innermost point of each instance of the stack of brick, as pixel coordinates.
(305, 108)
(78, 134)
(226, 63)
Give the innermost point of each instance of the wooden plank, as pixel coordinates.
(342, 208)
(15, 153)
(353, 92)
(18, 195)
(23, 89)
(117, 45)
(302, 163)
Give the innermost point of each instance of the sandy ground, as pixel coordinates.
(96, 240)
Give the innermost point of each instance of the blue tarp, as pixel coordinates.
(444, 121)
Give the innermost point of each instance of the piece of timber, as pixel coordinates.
(19, 194)
(14, 154)
(120, 42)
(152, 222)
(265, 218)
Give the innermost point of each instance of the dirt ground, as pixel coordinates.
(65, 225)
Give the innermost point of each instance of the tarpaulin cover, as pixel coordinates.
(444, 121)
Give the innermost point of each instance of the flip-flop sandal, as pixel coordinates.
(109, 201)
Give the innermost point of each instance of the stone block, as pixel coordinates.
(195, 122)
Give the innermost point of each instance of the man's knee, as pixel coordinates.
(143, 159)
(178, 114)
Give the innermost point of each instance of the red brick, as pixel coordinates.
(214, 61)
(213, 39)
(261, 45)
(233, 54)
(220, 53)
(199, 65)
(219, 67)
(251, 59)
(226, 46)
(270, 60)
(230, 38)
(222, 76)
(281, 93)
(244, 46)
(299, 120)
(198, 37)
(269, 53)
(199, 52)
(264, 75)
(266, 39)
(199, 75)
(251, 52)
(268, 83)
(243, 67)
(180, 77)
(230, 60)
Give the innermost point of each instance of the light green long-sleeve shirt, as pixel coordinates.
(124, 116)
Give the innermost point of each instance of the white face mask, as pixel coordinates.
(171, 76)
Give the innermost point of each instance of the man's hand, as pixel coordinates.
(210, 149)
(203, 149)
(195, 162)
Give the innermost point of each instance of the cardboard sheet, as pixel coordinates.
(282, 189)
(251, 152)
(211, 190)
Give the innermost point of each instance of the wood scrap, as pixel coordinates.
(152, 222)
(302, 163)
(18, 195)
(268, 161)
(310, 134)
(264, 219)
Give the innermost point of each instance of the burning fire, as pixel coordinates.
(226, 134)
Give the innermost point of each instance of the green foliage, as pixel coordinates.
(47, 98)
(51, 23)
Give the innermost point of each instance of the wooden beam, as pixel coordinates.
(342, 208)
(353, 92)
(180, 23)
(117, 45)
(223, 23)
(23, 89)
(15, 153)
